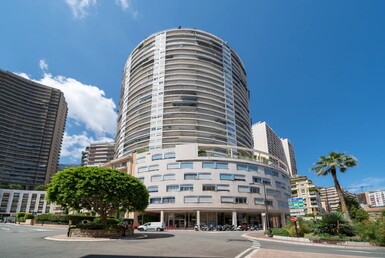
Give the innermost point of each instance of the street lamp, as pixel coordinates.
(265, 202)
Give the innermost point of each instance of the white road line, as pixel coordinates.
(5, 228)
(354, 251)
(241, 254)
(41, 229)
(252, 254)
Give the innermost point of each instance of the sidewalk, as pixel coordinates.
(258, 253)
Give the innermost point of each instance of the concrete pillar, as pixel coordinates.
(234, 219)
(264, 224)
(283, 219)
(198, 219)
(161, 216)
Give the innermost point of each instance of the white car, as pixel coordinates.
(158, 226)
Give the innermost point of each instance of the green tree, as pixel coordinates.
(102, 190)
(355, 211)
(41, 187)
(329, 165)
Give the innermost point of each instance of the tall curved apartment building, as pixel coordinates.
(32, 124)
(184, 129)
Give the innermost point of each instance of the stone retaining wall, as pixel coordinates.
(321, 241)
(99, 233)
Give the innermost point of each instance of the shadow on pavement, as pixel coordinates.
(135, 256)
(141, 236)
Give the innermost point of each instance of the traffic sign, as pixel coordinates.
(293, 219)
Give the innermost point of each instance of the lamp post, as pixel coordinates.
(265, 202)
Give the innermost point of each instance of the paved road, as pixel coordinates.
(23, 241)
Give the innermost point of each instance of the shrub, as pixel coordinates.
(110, 221)
(20, 215)
(61, 218)
(372, 231)
(280, 232)
(29, 216)
(304, 227)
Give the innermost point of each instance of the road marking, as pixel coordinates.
(241, 254)
(254, 248)
(42, 230)
(5, 228)
(355, 251)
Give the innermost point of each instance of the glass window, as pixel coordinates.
(172, 165)
(156, 178)
(257, 179)
(188, 199)
(141, 179)
(227, 199)
(155, 200)
(140, 160)
(254, 189)
(172, 188)
(153, 168)
(223, 187)
(243, 189)
(269, 202)
(169, 155)
(253, 168)
(239, 177)
(157, 156)
(205, 199)
(208, 187)
(142, 169)
(186, 188)
(152, 189)
(190, 176)
(204, 176)
(242, 167)
(266, 181)
(222, 165)
(226, 176)
(240, 200)
(169, 177)
(208, 164)
(186, 165)
(271, 172)
(168, 199)
(259, 201)
(283, 204)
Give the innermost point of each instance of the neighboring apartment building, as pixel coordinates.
(329, 198)
(184, 130)
(376, 198)
(266, 140)
(14, 201)
(32, 124)
(97, 154)
(302, 187)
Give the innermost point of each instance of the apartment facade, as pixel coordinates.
(97, 154)
(376, 198)
(266, 140)
(31, 130)
(302, 187)
(184, 130)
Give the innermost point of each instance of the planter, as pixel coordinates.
(29, 221)
(99, 232)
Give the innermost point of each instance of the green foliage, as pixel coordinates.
(103, 190)
(280, 232)
(41, 187)
(62, 218)
(20, 215)
(29, 216)
(333, 223)
(304, 227)
(372, 231)
(110, 221)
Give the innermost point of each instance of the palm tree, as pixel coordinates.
(328, 165)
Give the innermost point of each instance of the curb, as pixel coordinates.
(64, 238)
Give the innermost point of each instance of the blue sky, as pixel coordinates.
(316, 69)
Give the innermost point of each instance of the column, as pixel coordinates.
(161, 216)
(234, 219)
(283, 219)
(198, 219)
(264, 224)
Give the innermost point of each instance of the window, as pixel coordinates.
(271, 172)
(169, 155)
(239, 178)
(157, 156)
(168, 199)
(190, 199)
(186, 165)
(253, 168)
(266, 181)
(280, 185)
(257, 179)
(152, 189)
(226, 199)
(247, 167)
(215, 165)
(286, 178)
(223, 187)
(186, 188)
(204, 176)
(226, 176)
(140, 160)
(155, 200)
(222, 165)
(283, 204)
(208, 187)
(240, 200)
(141, 179)
(153, 168)
(271, 192)
(243, 189)
(208, 164)
(269, 202)
(156, 178)
(172, 188)
(190, 176)
(205, 199)
(142, 169)
(287, 196)
(259, 201)
(254, 189)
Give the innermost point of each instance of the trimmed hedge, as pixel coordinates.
(280, 232)
(62, 218)
(29, 216)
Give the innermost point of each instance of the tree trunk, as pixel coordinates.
(341, 196)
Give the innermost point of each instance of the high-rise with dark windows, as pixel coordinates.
(32, 120)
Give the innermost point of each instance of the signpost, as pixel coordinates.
(294, 219)
(296, 206)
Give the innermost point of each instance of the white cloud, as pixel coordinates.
(73, 145)
(368, 184)
(43, 65)
(80, 8)
(127, 6)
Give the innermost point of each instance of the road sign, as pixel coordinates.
(34, 213)
(293, 219)
(295, 203)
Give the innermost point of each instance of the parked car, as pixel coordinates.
(158, 226)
